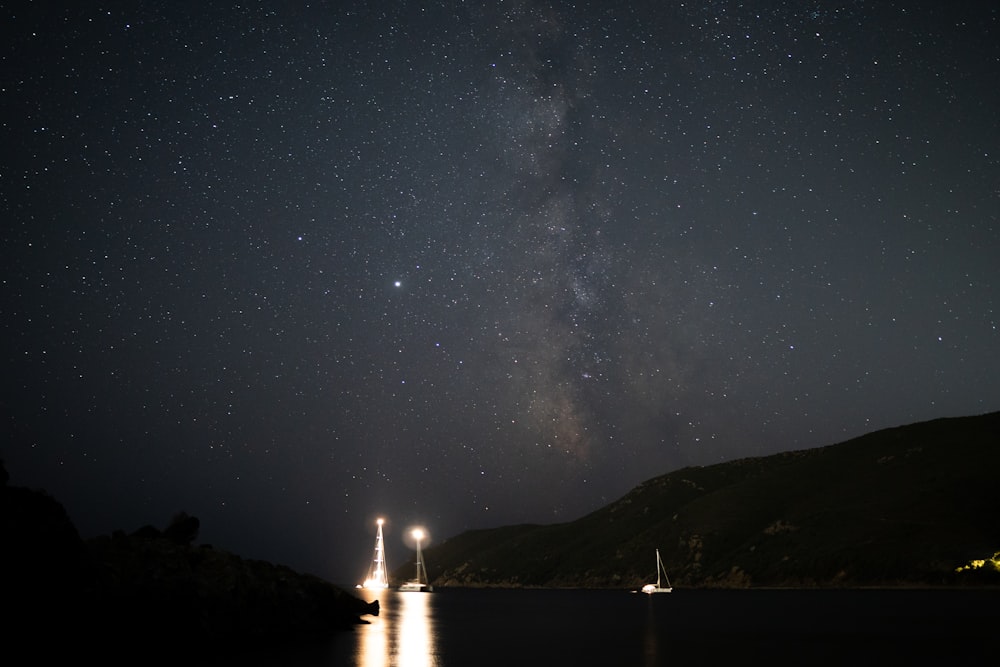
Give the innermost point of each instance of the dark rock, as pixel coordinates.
(148, 595)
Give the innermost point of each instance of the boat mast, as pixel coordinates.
(377, 577)
(659, 567)
(418, 535)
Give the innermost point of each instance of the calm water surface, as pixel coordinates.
(459, 627)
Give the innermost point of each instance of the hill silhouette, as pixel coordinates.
(149, 596)
(904, 506)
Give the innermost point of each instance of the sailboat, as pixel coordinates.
(657, 588)
(377, 577)
(421, 583)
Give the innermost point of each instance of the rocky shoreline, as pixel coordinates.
(151, 591)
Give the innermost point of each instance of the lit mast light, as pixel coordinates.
(421, 583)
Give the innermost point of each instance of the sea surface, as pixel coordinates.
(485, 627)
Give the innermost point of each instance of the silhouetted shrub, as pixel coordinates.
(183, 529)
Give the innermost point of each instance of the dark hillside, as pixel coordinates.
(151, 596)
(901, 506)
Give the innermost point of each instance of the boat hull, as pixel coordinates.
(415, 587)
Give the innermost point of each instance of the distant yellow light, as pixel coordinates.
(418, 534)
(380, 521)
(978, 563)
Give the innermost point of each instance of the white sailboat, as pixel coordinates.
(421, 583)
(657, 588)
(377, 577)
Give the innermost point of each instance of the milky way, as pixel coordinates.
(290, 269)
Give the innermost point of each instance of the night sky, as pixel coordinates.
(290, 267)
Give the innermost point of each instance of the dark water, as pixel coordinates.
(458, 627)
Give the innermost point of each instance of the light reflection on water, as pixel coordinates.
(402, 635)
(494, 628)
(650, 641)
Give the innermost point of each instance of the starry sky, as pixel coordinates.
(290, 267)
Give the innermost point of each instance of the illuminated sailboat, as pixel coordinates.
(657, 588)
(377, 576)
(421, 583)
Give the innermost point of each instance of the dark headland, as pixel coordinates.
(149, 596)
